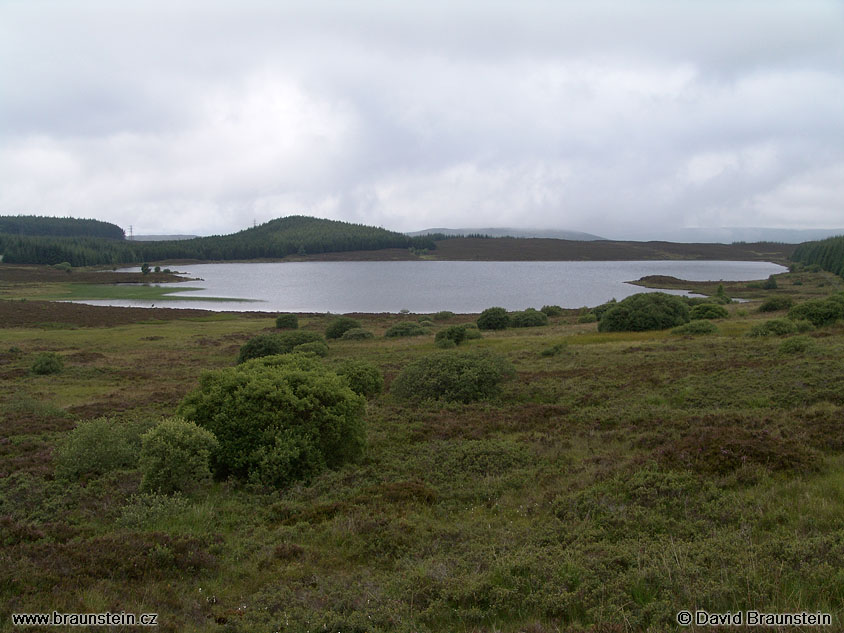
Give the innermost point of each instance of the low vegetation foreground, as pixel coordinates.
(547, 470)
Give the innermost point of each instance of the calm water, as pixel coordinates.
(431, 286)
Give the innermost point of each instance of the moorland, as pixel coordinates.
(612, 480)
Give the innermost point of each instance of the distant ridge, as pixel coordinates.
(728, 235)
(511, 232)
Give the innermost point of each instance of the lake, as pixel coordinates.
(430, 286)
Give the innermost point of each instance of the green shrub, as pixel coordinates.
(47, 363)
(445, 343)
(443, 315)
(98, 446)
(774, 327)
(453, 376)
(819, 312)
(340, 326)
(405, 328)
(357, 334)
(175, 456)
(551, 311)
(589, 317)
(493, 319)
(770, 283)
(472, 332)
(456, 333)
(363, 378)
(803, 326)
(645, 311)
(529, 318)
(600, 310)
(773, 304)
(426, 323)
(708, 311)
(796, 345)
(272, 344)
(65, 266)
(701, 326)
(314, 347)
(277, 419)
(287, 322)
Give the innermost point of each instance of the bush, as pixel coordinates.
(697, 327)
(796, 345)
(774, 327)
(340, 326)
(443, 315)
(96, 447)
(554, 349)
(708, 311)
(287, 322)
(453, 376)
(272, 344)
(529, 318)
(602, 309)
(363, 378)
(551, 311)
(445, 343)
(646, 311)
(773, 304)
(65, 266)
(493, 319)
(277, 419)
(314, 347)
(405, 328)
(456, 333)
(426, 323)
(770, 283)
(47, 363)
(357, 334)
(819, 311)
(175, 456)
(589, 317)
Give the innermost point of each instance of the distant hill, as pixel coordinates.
(728, 235)
(511, 232)
(36, 225)
(292, 235)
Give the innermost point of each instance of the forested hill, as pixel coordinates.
(58, 227)
(278, 238)
(828, 254)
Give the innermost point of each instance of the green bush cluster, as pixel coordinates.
(320, 348)
(455, 333)
(451, 376)
(340, 326)
(277, 419)
(551, 311)
(175, 456)
(819, 312)
(357, 334)
(708, 311)
(493, 319)
(697, 327)
(529, 318)
(774, 327)
(774, 304)
(589, 317)
(363, 378)
(47, 363)
(443, 315)
(272, 344)
(645, 311)
(98, 446)
(405, 328)
(796, 345)
(287, 322)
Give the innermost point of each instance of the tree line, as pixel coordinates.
(828, 254)
(58, 227)
(292, 235)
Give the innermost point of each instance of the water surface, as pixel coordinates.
(435, 285)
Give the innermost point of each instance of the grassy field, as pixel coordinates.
(618, 479)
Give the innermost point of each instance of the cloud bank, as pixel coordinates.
(616, 118)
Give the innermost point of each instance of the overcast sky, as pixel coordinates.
(204, 117)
